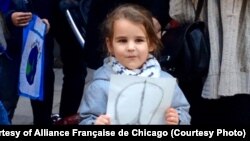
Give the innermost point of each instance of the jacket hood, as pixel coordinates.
(104, 72)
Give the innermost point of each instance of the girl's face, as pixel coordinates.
(130, 44)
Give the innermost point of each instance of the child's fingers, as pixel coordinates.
(103, 120)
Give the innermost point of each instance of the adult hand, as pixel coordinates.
(21, 18)
(47, 25)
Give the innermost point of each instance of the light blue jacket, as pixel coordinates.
(96, 97)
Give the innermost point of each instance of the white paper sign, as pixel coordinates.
(139, 100)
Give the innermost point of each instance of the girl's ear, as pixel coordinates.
(151, 48)
(109, 45)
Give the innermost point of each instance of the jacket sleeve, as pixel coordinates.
(94, 102)
(182, 106)
(179, 102)
(182, 11)
(3, 44)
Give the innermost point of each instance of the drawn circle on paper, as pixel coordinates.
(137, 103)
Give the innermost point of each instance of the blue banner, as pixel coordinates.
(31, 77)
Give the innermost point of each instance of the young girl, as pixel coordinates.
(130, 40)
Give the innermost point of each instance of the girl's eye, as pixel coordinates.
(139, 40)
(122, 41)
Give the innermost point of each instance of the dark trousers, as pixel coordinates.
(74, 70)
(74, 67)
(232, 110)
(42, 110)
(9, 76)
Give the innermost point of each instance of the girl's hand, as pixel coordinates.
(21, 18)
(103, 120)
(47, 25)
(172, 116)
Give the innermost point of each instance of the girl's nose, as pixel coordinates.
(131, 46)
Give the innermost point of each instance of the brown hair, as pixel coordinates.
(136, 14)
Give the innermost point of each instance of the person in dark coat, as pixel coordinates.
(74, 68)
(17, 17)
